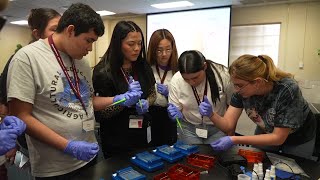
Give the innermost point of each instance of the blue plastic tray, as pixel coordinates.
(168, 153)
(128, 174)
(147, 161)
(186, 148)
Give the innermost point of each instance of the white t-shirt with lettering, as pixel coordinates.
(182, 96)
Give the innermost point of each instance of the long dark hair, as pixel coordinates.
(113, 59)
(39, 19)
(194, 61)
(155, 39)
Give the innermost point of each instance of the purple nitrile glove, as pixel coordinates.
(134, 85)
(12, 122)
(205, 108)
(162, 89)
(174, 112)
(82, 150)
(8, 139)
(222, 144)
(131, 97)
(143, 107)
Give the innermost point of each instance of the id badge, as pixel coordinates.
(202, 131)
(88, 125)
(135, 121)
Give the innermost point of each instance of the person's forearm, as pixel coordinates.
(222, 124)
(100, 103)
(259, 140)
(42, 133)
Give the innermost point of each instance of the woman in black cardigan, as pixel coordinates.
(121, 127)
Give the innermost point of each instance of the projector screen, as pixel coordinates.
(205, 30)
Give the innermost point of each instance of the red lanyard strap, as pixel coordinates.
(196, 95)
(75, 87)
(126, 77)
(164, 75)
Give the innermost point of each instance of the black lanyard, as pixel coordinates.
(75, 87)
(164, 75)
(196, 95)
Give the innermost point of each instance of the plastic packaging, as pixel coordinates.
(128, 174)
(251, 156)
(168, 153)
(162, 176)
(200, 160)
(147, 161)
(186, 148)
(180, 171)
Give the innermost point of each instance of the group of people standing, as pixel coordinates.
(139, 97)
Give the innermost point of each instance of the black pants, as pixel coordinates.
(69, 175)
(117, 137)
(163, 129)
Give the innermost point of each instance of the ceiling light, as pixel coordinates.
(172, 4)
(105, 13)
(21, 22)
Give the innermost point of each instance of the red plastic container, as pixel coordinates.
(162, 176)
(202, 161)
(183, 172)
(251, 156)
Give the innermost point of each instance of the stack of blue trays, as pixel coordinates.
(128, 173)
(147, 161)
(186, 149)
(168, 153)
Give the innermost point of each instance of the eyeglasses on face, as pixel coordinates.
(240, 87)
(162, 51)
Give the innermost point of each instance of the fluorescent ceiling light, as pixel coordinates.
(105, 13)
(172, 5)
(21, 22)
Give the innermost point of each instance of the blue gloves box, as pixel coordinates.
(128, 174)
(168, 153)
(186, 149)
(147, 161)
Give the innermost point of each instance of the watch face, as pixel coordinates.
(2, 22)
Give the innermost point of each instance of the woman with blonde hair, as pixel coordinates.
(284, 120)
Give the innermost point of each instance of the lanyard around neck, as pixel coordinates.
(126, 76)
(75, 87)
(164, 75)
(196, 95)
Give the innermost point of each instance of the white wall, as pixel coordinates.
(299, 39)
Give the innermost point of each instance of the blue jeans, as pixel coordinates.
(304, 150)
(189, 135)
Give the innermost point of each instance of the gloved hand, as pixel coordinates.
(12, 122)
(205, 108)
(174, 112)
(162, 89)
(222, 144)
(8, 139)
(143, 107)
(82, 150)
(134, 85)
(131, 97)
